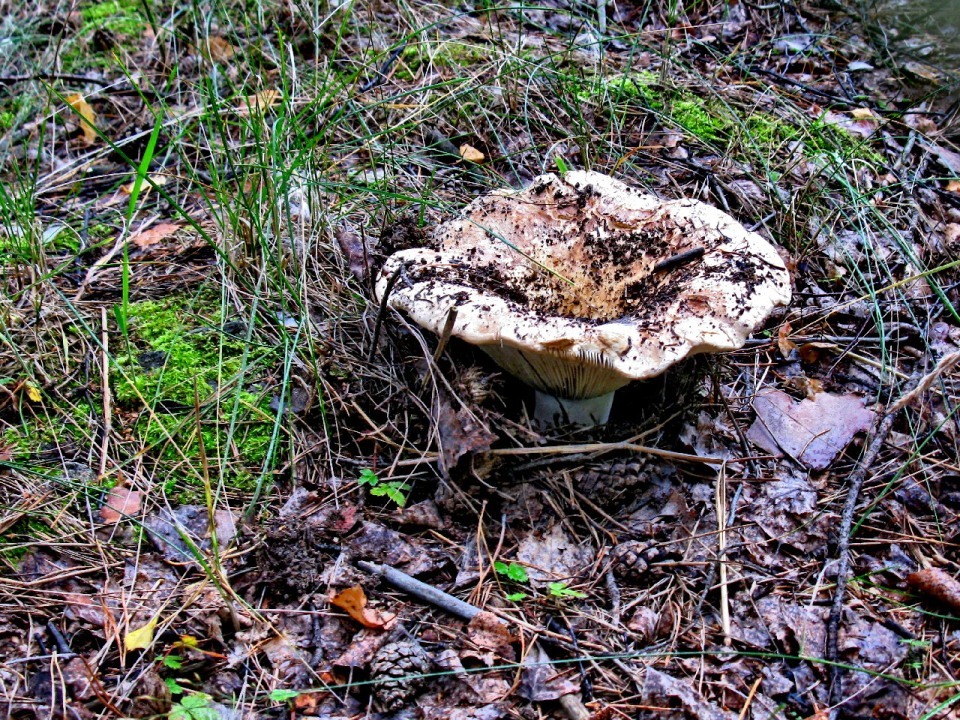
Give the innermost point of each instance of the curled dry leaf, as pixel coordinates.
(471, 154)
(88, 117)
(936, 584)
(354, 601)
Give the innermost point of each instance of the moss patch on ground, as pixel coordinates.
(185, 355)
(718, 124)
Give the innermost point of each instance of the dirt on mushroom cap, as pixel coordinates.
(567, 271)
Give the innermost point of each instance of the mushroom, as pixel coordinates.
(580, 284)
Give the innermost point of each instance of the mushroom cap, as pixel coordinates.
(557, 282)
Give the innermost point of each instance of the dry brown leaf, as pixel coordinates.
(862, 113)
(153, 235)
(121, 502)
(259, 103)
(487, 631)
(471, 154)
(354, 601)
(936, 584)
(953, 186)
(88, 117)
(217, 49)
(784, 342)
(811, 431)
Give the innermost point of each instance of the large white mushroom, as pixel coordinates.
(579, 284)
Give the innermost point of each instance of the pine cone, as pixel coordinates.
(632, 559)
(610, 483)
(397, 668)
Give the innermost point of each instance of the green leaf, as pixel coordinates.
(281, 696)
(174, 662)
(561, 165)
(560, 590)
(517, 573)
(516, 597)
(368, 477)
(514, 571)
(174, 686)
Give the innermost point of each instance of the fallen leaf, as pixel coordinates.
(936, 584)
(461, 434)
(553, 554)
(540, 679)
(217, 49)
(153, 235)
(140, 638)
(32, 391)
(953, 186)
(145, 187)
(259, 103)
(354, 601)
(488, 632)
(471, 154)
(863, 113)
(120, 502)
(660, 689)
(784, 343)
(814, 431)
(88, 117)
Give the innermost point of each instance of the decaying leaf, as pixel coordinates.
(153, 235)
(541, 680)
(553, 554)
(660, 689)
(814, 431)
(354, 601)
(460, 434)
(217, 49)
(488, 632)
(936, 584)
(471, 154)
(120, 502)
(140, 638)
(88, 117)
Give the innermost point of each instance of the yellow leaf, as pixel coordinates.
(88, 121)
(471, 154)
(140, 638)
(189, 641)
(862, 113)
(32, 392)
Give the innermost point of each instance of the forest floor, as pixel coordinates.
(222, 463)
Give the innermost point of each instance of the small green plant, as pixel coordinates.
(195, 706)
(394, 489)
(515, 572)
(561, 591)
(281, 696)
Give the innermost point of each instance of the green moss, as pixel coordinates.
(119, 16)
(181, 357)
(443, 55)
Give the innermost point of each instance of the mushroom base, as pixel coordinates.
(550, 410)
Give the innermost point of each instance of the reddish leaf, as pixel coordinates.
(354, 602)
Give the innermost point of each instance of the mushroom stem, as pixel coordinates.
(550, 410)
